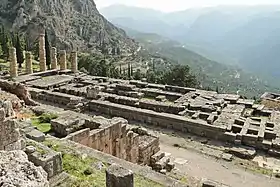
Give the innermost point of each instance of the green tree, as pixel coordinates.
(151, 76)
(113, 51)
(5, 42)
(180, 75)
(118, 51)
(131, 70)
(217, 89)
(98, 66)
(19, 51)
(128, 70)
(120, 69)
(137, 75)
(48, 50)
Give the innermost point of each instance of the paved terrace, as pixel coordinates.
(226, 117)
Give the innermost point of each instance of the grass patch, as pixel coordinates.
(43, 127)
(43, 122)
(78, 167)
(140, 181)
(248, 165)
(38, 148)
(85, 170)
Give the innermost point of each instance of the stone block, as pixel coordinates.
(36, 135)
(227, 157)
(116, 176)
(170, 166)
(50, 160)
(242, 152)
(161, 164)
(209, 183)
(16, 170)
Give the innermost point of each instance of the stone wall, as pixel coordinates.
(41, 155)
(164, 120)
(10, 138)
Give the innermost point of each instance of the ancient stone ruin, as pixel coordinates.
(100, 114)
(16, 169)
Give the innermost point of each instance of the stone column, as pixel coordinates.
(116, 176)
(62, 60)
(13, 62)
(42, 53)
(28, 63)
(54, 58)
(74, 62)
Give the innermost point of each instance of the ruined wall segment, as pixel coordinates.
(10, 138)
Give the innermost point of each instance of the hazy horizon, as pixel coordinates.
(178, 5)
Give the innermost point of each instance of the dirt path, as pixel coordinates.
(199, 165)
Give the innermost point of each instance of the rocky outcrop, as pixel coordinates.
(71, 24)
(16, 170)
(19, 90)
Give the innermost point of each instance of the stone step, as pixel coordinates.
(59, 180)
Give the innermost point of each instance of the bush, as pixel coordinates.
(47, 117)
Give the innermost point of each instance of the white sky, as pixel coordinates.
(169, 6)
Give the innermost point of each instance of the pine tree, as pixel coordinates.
(48, 50)
(137, 75)
(19, 52)
(131, 70)
(128, 70)
(4, 38)
(118, 51)
(120, 69)
(113, 51)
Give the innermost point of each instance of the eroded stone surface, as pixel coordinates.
(117, 176)
(16, 170)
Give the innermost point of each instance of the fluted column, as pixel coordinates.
(62, 60)
(28, 63)
(74, 62)
(42, 53)
(54, 58)
(13, 62)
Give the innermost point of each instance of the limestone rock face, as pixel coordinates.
(72, 24)
(16, 170)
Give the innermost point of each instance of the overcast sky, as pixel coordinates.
(169, 6)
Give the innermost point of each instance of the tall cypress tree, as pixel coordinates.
(120, 69)
(128, 70)
(4, 42)
(131, 70)
(19, 52)
(48, 50)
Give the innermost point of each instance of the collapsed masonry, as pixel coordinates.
(16, 169)
(225, 117)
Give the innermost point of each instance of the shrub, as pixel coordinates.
(47, 117)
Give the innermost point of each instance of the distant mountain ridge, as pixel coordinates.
(211, 74)
(247, 36)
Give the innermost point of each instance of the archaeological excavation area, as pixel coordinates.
(73, 129)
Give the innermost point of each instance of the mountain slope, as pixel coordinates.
(211, 74)
(247, 36)
(72, 24)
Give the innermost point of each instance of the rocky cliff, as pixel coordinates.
(72, 24)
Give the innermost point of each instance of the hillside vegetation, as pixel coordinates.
(211, 75)
(246, 36)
